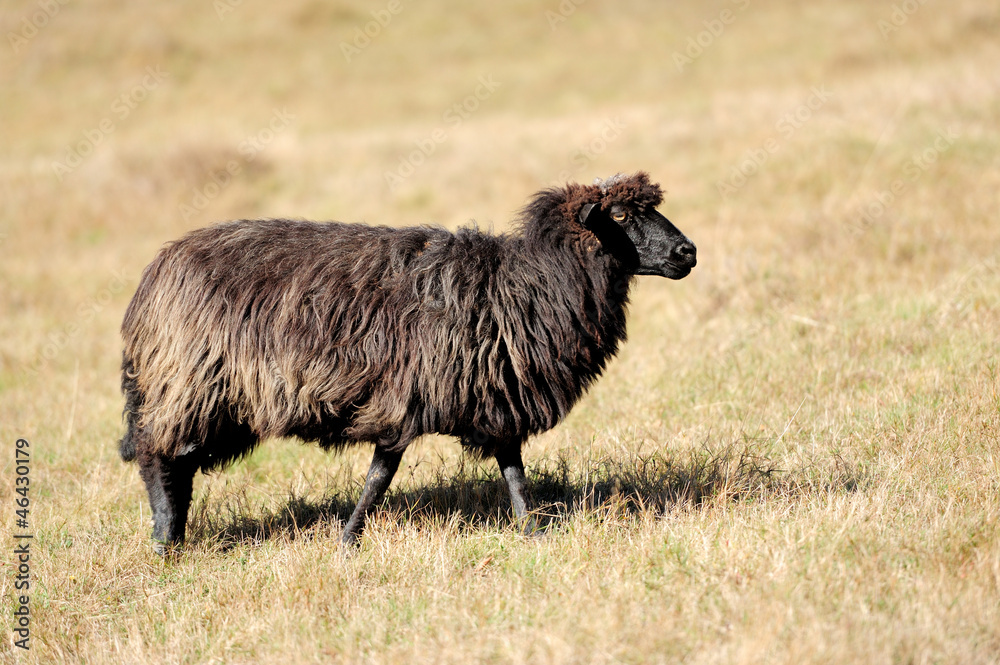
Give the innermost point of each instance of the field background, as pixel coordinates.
(794, 459)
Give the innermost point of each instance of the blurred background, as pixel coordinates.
(836, 162)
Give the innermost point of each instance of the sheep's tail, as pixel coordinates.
(126, 447)
(133, 404)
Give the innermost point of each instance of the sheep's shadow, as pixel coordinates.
(473, 496)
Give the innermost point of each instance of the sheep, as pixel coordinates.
(346, 333)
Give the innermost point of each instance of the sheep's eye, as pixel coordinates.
(618, 216)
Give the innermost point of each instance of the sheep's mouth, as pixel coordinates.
(669, 270)
(679, 272)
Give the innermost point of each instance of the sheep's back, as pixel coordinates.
(355, 333)
(280, 323)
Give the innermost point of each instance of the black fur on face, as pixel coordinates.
(643, 240)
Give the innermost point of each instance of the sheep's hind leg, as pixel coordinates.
(512, 470)
(168, 482)
(380, 473)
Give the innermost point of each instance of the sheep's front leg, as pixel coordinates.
(168, 482)
(512, 469)
(380, 473)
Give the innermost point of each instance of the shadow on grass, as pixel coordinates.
(474, 493)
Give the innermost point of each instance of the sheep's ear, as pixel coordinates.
(585, 213)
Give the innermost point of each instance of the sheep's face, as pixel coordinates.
(643, 240)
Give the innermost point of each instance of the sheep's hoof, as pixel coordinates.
(348, 551)
(350, 540)
(531, 526)
(168, 550)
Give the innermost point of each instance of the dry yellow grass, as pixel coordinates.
(796, 457)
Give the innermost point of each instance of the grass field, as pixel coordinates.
(794, 459)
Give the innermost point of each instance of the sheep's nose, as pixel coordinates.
(687, 253)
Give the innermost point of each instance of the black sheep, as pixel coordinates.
(342, 334)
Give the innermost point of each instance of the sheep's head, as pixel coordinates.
(622, 214)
